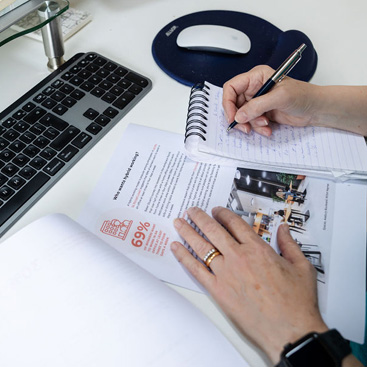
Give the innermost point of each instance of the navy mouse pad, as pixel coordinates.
(269, 45)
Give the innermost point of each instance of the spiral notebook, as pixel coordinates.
(315, 151)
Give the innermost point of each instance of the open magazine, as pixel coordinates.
(149, 182)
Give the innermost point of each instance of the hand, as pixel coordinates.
(289, 102)
(271, 299)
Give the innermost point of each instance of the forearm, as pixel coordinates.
(341, 107)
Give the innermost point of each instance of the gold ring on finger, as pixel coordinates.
(211, 257)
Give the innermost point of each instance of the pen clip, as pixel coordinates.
(289, 69)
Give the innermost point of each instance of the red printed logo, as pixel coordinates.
(116, 228)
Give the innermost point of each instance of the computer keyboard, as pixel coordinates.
(46, 131)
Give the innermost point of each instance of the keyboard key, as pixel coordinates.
(9, 122)
(20, 160)
(48, 91)
(135, 89)
(77, 94)
(16, 182)
(110, 112)
(35, 115)
(69, 102)
(41, 142)
(100, 61)
(136, 79)
(21, 126)
(67, 153)
(48, 153)
(19, 114)
(11, 135)
(65, 138)
(37, 163)
(124, 100)
(57, 83)
(6, 192)
(102, 120)
(31, 151)
(7, 155)
(51, 133)
(54, 121)
(98, 92)
(27, 137)
(3, 143)
(94, 129)
(58, 96)
(22, 196)
(54, 166)
(49, 103)
(120, 71)
(27, 172)
(67, 88)
(17, 146)
(10, 170)
(3, 179)
(28, 107)
(90, 114)
(81, 140)
(60, 109)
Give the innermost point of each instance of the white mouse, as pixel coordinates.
(215, 38)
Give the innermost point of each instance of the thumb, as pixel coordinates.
(288, 246)
(254, 108)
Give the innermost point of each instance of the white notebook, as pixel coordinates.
(316, 151)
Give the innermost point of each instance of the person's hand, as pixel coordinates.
(289, 102)
(271, 299)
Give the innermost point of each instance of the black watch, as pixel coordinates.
(325, 350)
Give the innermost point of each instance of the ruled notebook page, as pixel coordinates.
(315, 148)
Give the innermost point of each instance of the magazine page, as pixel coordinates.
(150, 182)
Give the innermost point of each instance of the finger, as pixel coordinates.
(216, 234)
(288, 246)
(238, 228)
(245, 128)
(197, 242)
(246, 84)
(265, 131)
(198, 270)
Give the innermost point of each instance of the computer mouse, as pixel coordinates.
(214, 38)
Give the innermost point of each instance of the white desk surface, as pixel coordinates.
(124, 31)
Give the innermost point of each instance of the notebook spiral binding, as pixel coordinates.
(197, 111)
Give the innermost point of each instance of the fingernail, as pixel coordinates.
(215, 209)
(285, 228)
(260, 123)
(174, 246)
(178, 222)
(192, 210)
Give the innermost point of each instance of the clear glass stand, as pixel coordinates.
(47, 13)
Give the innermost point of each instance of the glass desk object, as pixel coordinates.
(47, 13)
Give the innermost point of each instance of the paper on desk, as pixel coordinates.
(149, 182)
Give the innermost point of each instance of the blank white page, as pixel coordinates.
(68, 299)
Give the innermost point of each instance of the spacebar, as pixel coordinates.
(22, 196)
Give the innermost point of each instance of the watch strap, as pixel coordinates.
(333, 341)
(337, 345)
